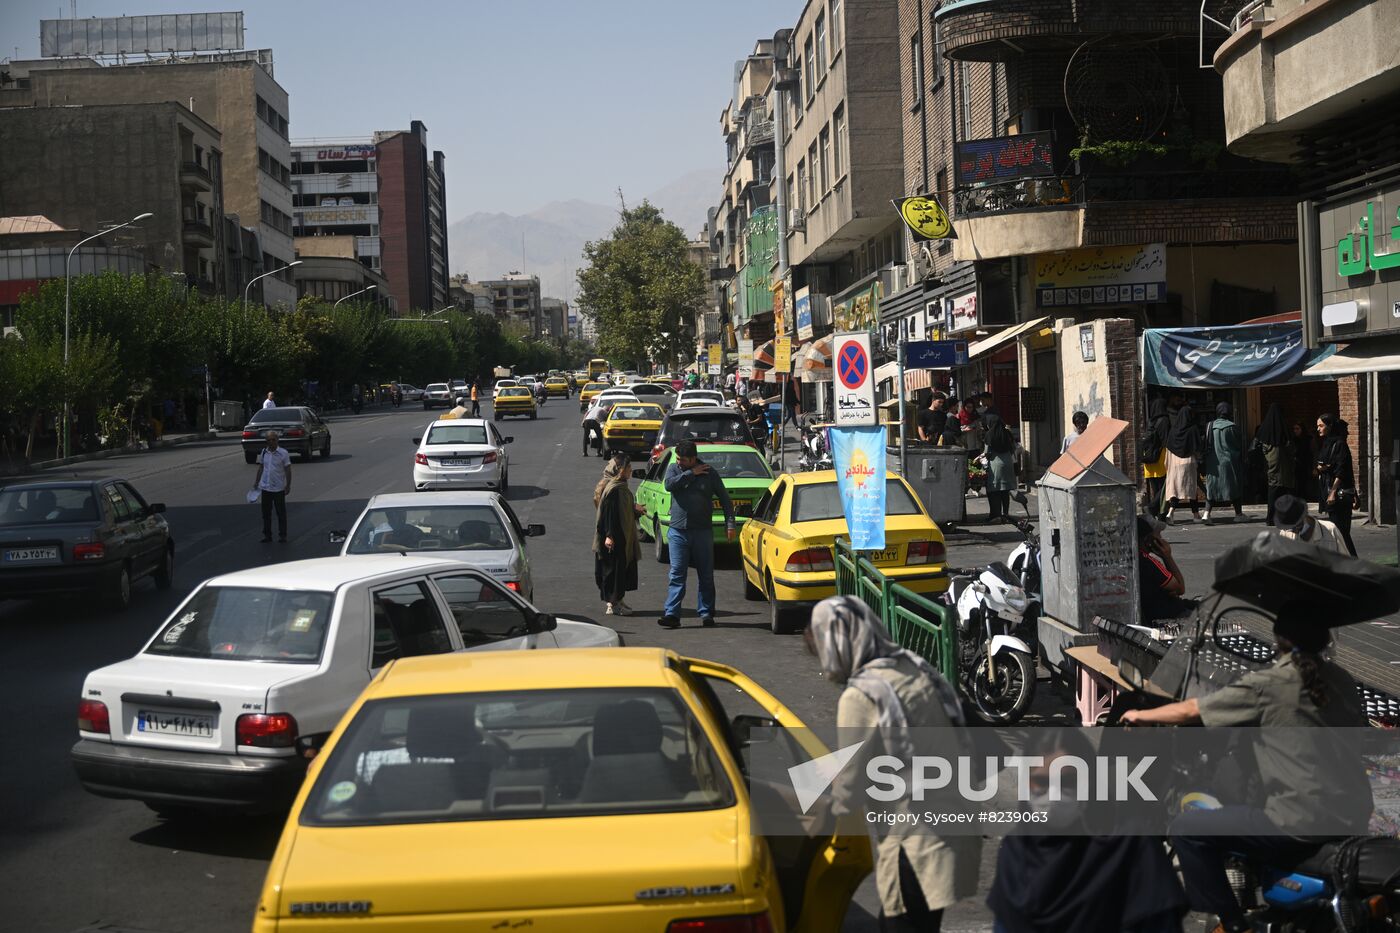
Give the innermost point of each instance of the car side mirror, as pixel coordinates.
(543, 622)
(534, 531)
(338, 536)
(309, 746)
(508, 439)
(744, 725)
(155, 508)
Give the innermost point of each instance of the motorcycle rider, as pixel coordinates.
(396, 395)
(540, 393)
(1313, 783)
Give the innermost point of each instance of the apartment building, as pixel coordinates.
(332, 270)
(87, 168)
(1288, 100)
(516, 297)
(234, 92)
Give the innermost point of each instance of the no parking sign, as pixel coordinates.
(855, 384)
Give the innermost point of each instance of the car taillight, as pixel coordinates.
(94, 551)
(513, 586)
(753, 923)
(92, 717)
(657, 450)
(489, 458)
(295, 432)
(266, 730)
(811, 560)
(420, 459)
(925, 552)
(249, 435)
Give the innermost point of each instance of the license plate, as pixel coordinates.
(192, 724)
(741, 506)
(883, 557)
(20, 554)
(456, 461)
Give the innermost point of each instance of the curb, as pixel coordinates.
(133, 449)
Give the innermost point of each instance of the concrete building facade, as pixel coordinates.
(516, 297)
(234, 92)
(330, 271)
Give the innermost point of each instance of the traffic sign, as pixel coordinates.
(935, 354)
(855, 383)
(716, 359)
(782, 355)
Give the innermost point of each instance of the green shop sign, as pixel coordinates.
(1356, 252)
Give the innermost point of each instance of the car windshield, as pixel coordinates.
(737, 464)
(714, 427)
(277, 414)
(430, 528)
(595, 387)
(48, 505)
(458, 757)
(243, 623)
(819, 502)
(452, 433)
(515, 390)
(625, 412)
(436, 387)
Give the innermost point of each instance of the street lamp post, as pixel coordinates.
(67, 306)
(352, 295)
(263, 276)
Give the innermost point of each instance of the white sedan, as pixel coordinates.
(255, 667)
(411, 393)
(502, 384)
(461, 453)
(477, 528)
(705, 396)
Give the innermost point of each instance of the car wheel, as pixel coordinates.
(250, 457)
(426, 406)
(495, 417)
(326, 450)
(779, 618)
(165, 573)
(505, 485)
(662, 551)
(119, 592)
(532, 416)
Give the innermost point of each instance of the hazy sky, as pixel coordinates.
(531, 100)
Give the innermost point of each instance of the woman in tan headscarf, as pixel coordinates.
(615, 544)
(890, 692)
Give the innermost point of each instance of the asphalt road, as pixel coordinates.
(70, 861)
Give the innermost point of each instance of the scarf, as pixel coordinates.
(1273, 431)
(614, 493)
(851, 646)
(1184, 438)
(997, 438)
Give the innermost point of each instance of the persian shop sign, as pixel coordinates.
(352, 216)
(1102, 275)
(1356, 252)
(345, 152)
(1006, 158)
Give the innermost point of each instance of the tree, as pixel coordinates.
(639, 283)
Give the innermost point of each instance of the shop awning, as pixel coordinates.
(887, 372)
(997, 341)
(814, 362)
(763, 356)
(1377, 355)
(1228, 357)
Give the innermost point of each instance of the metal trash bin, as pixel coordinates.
(228, 414)
(939, 478)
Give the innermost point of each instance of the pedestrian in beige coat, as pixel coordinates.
(890, 692)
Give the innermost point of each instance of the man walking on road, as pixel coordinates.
(476, 398)
(269, 402)
(694, 489)
(274, 481)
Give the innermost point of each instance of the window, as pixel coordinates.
(791, 193)
(801, 203)
(838, 143)
(431, 528)
(916, 68)
(809, 58)
(826, 157)
(820, 502)
(119, 505)
(819, 35)
(407, 624)
(482, 610)
(835, 27)
(965, 98)
(936, 59)
(244, 623)
(31, 506)
(813, 195)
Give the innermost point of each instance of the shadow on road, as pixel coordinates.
(229, 836)
(521, 493)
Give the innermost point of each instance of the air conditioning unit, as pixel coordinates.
(921, 263)
(797, 219)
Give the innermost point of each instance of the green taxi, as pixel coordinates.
(746, 476)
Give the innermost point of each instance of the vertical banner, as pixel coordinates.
(745, 359)
(782, 355)
(716, 359)
(779, 320)
(859, 457)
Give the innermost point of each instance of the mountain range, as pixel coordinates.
(549, 241)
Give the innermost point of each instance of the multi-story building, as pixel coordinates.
(34, 249)
(331, 270)
(555, 312)
(86, 168)
(387, 193)
(516, 297)
(234, 92)
(1338, 129)
(471, 296)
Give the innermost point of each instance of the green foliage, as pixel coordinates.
(1119, 153)
(639, 283)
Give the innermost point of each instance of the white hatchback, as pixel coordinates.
(221, 707)
(461, 453)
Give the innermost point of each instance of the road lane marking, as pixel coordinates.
(544, 480)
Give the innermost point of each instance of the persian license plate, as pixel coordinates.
(884, 557)
(193, 724)
(21, 554)
(456, 461)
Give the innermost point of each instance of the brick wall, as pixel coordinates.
(1218, 220)
(1351, 408)
(978, 24)
(1124, 391)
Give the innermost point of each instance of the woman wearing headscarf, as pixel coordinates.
(615, 544)
(890, 692)
(1154, 455)
(1183, 462)
(1334, 469)
(1224, 462)
(1276, 440)
(999, 451)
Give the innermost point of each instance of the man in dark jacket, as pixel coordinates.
(694, 489)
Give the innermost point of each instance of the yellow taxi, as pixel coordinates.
(632, 427)
(788, 544)
(556, 387)
(513, 400)
(586, 790)
(589, 393)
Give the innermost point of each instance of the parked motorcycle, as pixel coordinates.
(816, 455)
(1025, 560)
(996, 665)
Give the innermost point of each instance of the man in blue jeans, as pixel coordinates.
(694, 489)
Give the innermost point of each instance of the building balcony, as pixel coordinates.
(198, 233)
(758, 138)
(1274, 68)
(1042, 215)
(996, 30)
(195, 177)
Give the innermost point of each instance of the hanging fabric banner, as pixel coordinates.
(1225, 357)
(859, 457)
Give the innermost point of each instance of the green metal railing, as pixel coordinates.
(912, 620)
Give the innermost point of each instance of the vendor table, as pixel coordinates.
(1097, 685)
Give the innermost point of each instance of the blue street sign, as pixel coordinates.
(935, 354)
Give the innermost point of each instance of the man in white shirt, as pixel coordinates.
(274, 481)
(1295, 522)
(268, 402)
